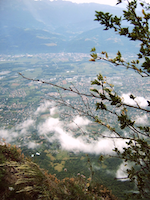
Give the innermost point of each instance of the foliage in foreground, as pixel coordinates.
(137, 137)
(22, 179)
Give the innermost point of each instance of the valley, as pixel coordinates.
(26, 110)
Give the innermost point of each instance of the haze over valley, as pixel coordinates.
(51, 42)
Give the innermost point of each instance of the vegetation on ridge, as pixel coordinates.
(22, 179)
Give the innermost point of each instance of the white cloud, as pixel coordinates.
(55, 129)
(32, 145)
(4, 72)
(101, 146)
(142, 120)
(121, 172)
(53, 111)
(71, 143)
(8, 135)
(49, 125)
(20, 130)
(43, 107)
(24, 126)
(79, 122)
(142, 102)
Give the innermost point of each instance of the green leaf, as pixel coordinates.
(94, 90)
(100, 77)
(100, 106)
(102, 96)
(93, 49)
(95, 82)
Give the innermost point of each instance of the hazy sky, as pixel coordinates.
(108, 2)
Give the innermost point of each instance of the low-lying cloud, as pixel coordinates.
(23, 127)
(32, 145)
(141, 120)
(53, 111)
(19, 131)
(43, 107)
(121, 173)
(8, 135)
(79, 122)
(54, 129)
(141, 101)
(101, 146)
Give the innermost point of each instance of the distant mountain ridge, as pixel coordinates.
(44, 27)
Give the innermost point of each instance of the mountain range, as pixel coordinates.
(58, 26)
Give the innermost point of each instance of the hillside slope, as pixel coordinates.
(22, 179)
(51, 27)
